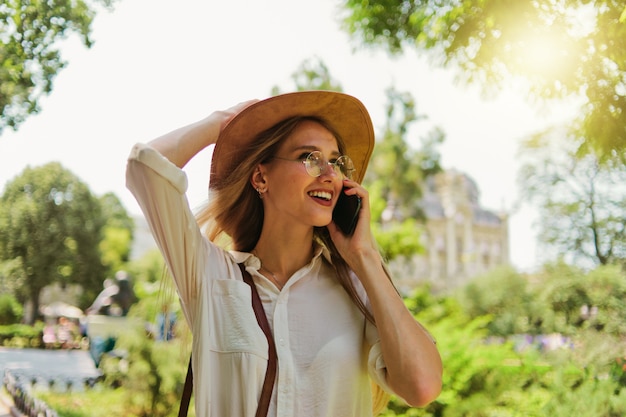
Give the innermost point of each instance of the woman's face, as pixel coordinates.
(292, 194)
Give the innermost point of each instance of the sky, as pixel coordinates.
(157, 65)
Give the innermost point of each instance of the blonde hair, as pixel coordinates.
(234, 214)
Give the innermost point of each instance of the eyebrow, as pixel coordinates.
(309, 148)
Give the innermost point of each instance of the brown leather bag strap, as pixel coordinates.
(184, 401)
(270, 374)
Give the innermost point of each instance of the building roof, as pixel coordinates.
(460, 192)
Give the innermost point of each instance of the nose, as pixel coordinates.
(329, 169)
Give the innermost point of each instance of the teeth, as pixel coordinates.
(321, 194)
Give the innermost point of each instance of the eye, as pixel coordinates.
(315, 156)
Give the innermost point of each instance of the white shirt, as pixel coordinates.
(327, 350)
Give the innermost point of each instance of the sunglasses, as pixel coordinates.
(315, 164)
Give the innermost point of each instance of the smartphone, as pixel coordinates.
(346, 212)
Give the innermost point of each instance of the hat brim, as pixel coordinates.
(346, 114)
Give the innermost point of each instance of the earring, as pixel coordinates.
(260, 192)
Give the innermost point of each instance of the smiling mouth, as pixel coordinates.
(322, 195)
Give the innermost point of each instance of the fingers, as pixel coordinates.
(237, 108)
(354, 188)
(230, 113)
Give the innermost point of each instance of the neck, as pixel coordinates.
(282, 254)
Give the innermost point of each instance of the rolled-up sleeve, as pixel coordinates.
(375, 361)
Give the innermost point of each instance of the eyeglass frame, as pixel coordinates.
(336, 165)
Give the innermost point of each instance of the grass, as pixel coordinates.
(98, 402)
(91, 403)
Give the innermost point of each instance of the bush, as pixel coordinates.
(490, 371)
(578, 300)
(21, 335)
(507, 297)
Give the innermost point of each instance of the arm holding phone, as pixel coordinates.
(414, 366)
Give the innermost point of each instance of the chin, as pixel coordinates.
(322, 222)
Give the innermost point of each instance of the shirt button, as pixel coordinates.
(282, 341)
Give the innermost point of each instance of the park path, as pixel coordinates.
(62, 366)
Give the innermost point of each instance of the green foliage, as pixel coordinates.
(29, 50)
(399, 239)
(580, 300)
(560, 48)
(149, 268)
(90, 403)
(506, 296)
(117, 233)
(11, 310)
(396, 205)
(52, 229)
(115, 247)
(480, 378)
(562, 299)
(11, 276)
(491, 370)
(594, 397)
(587, 380)
(152, 374)
(21, 335)
(394, 158)
(312, 74)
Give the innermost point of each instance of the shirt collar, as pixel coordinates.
(252, 261)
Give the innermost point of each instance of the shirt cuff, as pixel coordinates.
(151, 158)
(377, 367)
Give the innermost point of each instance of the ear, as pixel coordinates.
(258, 179)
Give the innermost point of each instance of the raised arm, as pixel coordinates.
(182, 144)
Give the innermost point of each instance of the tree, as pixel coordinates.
(396, 176)
(579, 300)
(117, 233)
(51, 226)
(312, 74)
(508, 298)
(29, 50)
(395, 159)
(581, 201)
(561, 48)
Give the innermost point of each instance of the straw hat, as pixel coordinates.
(347, 115)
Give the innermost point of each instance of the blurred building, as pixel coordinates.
(462, 239)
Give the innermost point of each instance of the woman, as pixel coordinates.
(337, 321)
